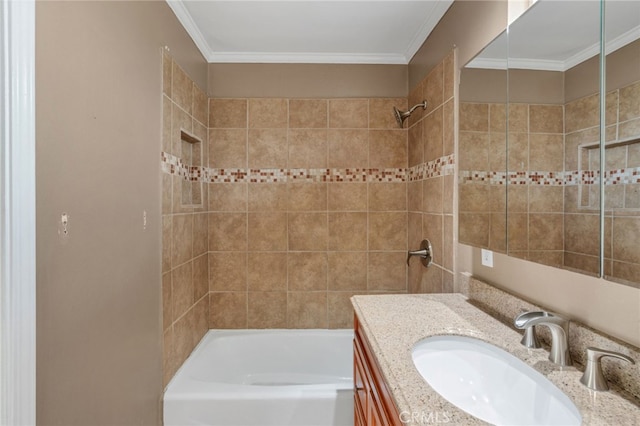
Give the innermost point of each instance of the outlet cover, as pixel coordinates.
(487, 258)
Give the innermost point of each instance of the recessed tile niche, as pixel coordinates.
(191, 156)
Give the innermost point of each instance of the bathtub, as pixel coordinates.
(264, 377)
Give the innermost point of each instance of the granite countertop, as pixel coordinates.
(393, 324)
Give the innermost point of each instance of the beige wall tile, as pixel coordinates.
(200, 277)
(626, 234)
(546, 199)
(167, 65)
(228, 310)
(433, 135)
(432, 280)
(200, 233)
(381, 112)
(432, 195)
(449, 75)
(498, 232)
(474, 151)
(307, 196)
(181, 88)
(626, 271)
(414, 196)
(268, 231)
(268, 197)
(347, 231)
(166, 125)
(267, 271)
(518, 152)
(228, 148)
(518, 118)
(267, 309)
(448, 246)
(228, 113)
(545, 232)
(268, 148)
(200, 106)
(629, 129)
(182, 289)
(268, 113)
(307, 309)
(546, 119)
(582, 113)
(308, 113)
(228, 271)
(167, 302)
(388, 148)
(448, 194)
(349, 113)
(228, 231)
(182, 239)
(307, 148)
(167, 193)
(630, 102)
(473, 228)
(448, 128)
(227, 197)
(183, 342)
(415, 145)
(387, 271)
(167, 221)
(415, 97)
(497, 118)
(387, 196)
(347, 196)
(546, 152)
(434, 88)
(586, 263)
(498, 151)
(347, 270)
(517, 198)
(388, 231)
(414, 230)
(307, 271)
(340, 309)
(348, 148)
(308, 231)
(517, 232)
(180, 121)
(474, 117)
(432, 230)
(169, 363)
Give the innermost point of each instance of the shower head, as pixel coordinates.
(403, 115)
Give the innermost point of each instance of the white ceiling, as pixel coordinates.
(308, 31)
(557, 35)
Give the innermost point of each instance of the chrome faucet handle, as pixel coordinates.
(559, 328)
(530, 337)
(593, 377)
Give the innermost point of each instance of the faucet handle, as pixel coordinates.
(593, 377)
(530, 337)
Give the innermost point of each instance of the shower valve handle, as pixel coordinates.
(425, 253)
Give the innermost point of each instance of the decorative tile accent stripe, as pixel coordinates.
(569, 178)
(174, 166)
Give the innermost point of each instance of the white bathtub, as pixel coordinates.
(265, 377)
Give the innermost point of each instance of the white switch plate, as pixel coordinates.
(487, 258)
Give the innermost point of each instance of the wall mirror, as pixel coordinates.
(530, 130)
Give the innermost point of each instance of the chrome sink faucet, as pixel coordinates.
(559, 328)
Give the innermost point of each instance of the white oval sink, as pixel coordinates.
(490, 383)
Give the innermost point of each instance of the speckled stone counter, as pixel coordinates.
(393, 324)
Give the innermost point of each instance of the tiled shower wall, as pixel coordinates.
(431, 148)
(534, 158)
(307, 208)
(622, 184)
(553, 193)
(277, 211)
(185, 303)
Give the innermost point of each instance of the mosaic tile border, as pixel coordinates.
(624, 176)
(173, 165)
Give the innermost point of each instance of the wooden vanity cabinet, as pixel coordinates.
(373, 405)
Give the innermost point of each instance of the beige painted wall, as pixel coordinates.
(467, 25)
(603, 305)
(307, 81)
(98, 108)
